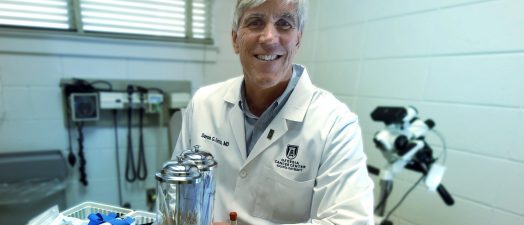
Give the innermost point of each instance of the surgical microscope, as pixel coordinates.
(403, 145)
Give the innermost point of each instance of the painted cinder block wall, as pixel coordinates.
(458, 61)
(32, 116)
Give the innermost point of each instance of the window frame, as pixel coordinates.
(76, 27)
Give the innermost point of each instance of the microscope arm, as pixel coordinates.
(399, 165)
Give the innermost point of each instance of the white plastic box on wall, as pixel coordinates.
(179, 100)
(2, 112)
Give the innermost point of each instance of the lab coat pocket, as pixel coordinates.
(283, 200)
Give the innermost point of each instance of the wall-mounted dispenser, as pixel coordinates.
(84, 106)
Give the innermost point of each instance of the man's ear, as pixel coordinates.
(234, 37)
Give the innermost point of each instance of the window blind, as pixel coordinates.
(150, 17)
(201, 24)
(31, 13)
(168, 19)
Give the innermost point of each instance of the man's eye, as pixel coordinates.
(282, 24)
(254, 23)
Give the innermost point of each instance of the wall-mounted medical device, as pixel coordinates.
(84, 106)
(81, 101)
(119, 100)
(179, 100)
(91, 100)
(135, 103)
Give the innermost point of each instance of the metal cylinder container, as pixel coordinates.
(186, 189)
(180, 190)
(206, 164)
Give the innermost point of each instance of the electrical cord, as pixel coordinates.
(388, 191)
(117, 155)
(130, 160)
(156, 89)
(71, 156)
(110, 87)
(82, 168)
(444, 153)
(141, 170)
(403, 198)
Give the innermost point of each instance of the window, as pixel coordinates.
(166, 19)
(200, 21)
(31, 13)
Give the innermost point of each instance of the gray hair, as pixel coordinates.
(244, 5)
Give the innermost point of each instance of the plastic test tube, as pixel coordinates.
(233, 218)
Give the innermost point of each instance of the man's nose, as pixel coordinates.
(269, 34)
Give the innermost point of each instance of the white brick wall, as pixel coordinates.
(31, 114)
(226, 64)
(458, 61)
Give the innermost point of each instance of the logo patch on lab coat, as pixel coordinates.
(292, 151)
(289, 163)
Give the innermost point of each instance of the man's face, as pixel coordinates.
(267, 41)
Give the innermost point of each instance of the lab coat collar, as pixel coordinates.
(294, 110)
(297, 104)
(233, 93)
(236, 121)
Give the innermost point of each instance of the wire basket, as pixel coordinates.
(142, 217)
(81, 211)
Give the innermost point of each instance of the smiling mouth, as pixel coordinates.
(268, 58)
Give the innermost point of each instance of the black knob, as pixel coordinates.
(430, 123)
(401, 142)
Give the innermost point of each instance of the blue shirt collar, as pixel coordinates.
(295, 76)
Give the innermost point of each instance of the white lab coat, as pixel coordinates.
(311, 169)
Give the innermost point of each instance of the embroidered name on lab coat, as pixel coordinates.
(214, 139)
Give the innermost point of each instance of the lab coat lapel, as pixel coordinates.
(279, 127)
(237, 127)
(294, 111)
(236, 117)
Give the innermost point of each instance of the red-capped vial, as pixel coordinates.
(233, 218)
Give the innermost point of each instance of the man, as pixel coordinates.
(287, 151)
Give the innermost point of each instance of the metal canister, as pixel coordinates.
(206, 164)
(180, 191)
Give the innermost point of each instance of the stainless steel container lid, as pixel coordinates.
(179, 172)
(204, 160)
